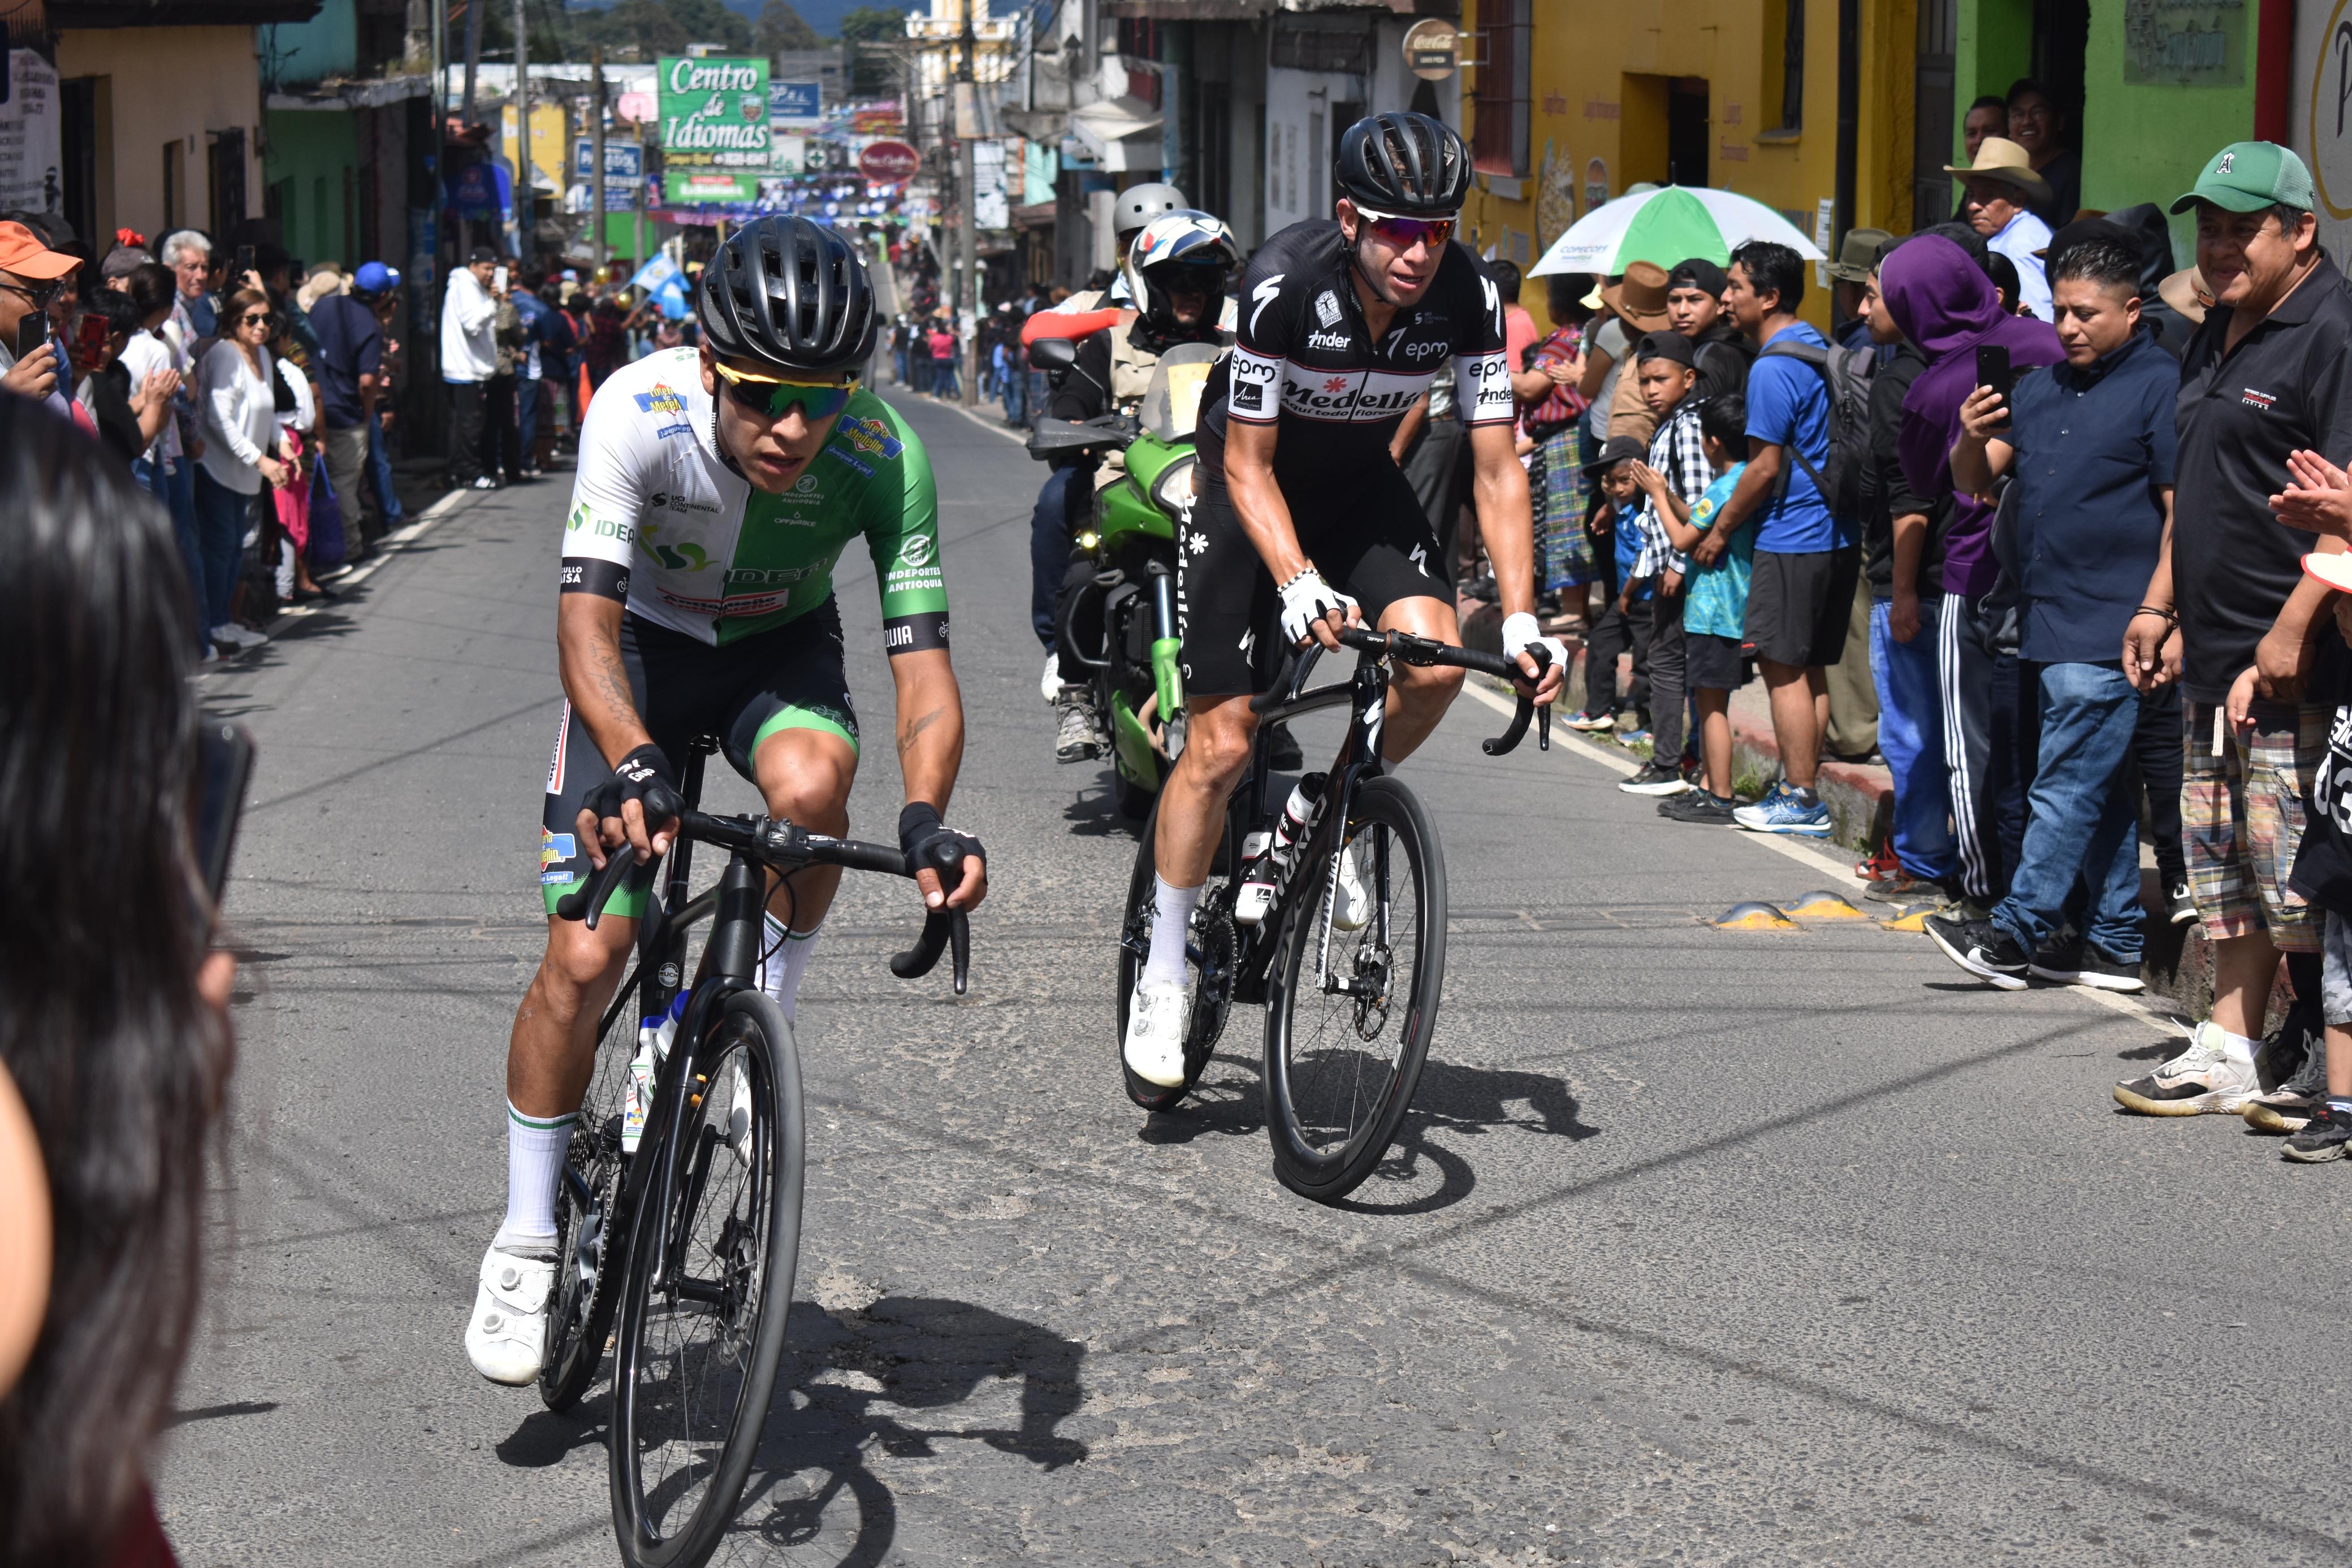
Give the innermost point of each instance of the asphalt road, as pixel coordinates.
(1705, 1246)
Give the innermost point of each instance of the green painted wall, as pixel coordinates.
(2146, 143)
(310, 151)
(1995, 48)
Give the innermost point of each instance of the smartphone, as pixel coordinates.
(1992, 371)
(498, 280)
(240, 267)
(32, 332)
(224, 767)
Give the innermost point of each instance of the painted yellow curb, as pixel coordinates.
(1753, 917)
(1913, 919)
(1822, 905)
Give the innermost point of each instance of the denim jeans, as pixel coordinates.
(526, 421)
(1911, 738)
(1049, 550)
(2080, 824)
(222, 517)
(387, 500)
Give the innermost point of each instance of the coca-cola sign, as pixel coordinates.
(887, 161)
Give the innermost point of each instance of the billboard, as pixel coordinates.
(622, 160)
(795, 103)
(714, 127)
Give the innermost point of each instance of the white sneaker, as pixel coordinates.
(506, 1338)
(1353, 909)
(2202, 1078)
(1049, 684)
(1158, 1020)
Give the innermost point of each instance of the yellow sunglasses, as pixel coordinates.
(773, 397)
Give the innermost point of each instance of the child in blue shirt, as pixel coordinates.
(1715, 610)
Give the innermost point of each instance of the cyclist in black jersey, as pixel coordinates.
(1342, 325)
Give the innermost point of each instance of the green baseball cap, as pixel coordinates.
(2247, 176)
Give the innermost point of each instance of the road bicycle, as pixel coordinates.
(706, 1209)
(1349, 1009)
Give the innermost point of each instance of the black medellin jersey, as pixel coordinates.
(1304, 357)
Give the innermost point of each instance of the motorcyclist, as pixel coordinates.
(1178, 267)
(1049, 525)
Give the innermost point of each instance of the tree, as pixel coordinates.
(873, 23)
(780, 27)
(708, 22)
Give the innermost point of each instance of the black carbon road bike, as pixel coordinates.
(691, 1240)
(1349, 1012)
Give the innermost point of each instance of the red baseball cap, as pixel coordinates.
(22, 253)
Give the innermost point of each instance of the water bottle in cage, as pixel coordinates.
(1269, 855)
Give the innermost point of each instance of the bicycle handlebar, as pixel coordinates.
(783, 848)
(1427, 652)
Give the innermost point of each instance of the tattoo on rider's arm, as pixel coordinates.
(913, 728)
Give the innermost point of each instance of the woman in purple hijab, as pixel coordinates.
(1942, 301)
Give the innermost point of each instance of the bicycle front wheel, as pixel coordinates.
(709, 1286)
(1348, 1020)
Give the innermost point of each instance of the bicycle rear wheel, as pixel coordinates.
(1349, 1017)
(696, 1357)
(590, 1228)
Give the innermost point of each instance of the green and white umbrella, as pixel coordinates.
(1666, 226)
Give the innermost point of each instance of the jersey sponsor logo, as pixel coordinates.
(663, 402)
(806, 486)
(2260, 400)
(677, 503)
(738, 576)
(917, 551)
(734, 605)
(1489, 382)
(582, 520)
(1423, 348)
(1358, 397)
(1338, 343)
(864, 470)
(684, 556)
(1251, 375)
(870, 436)
(1326, 309)
(915, 634)
(555, 762)
(1266, 294)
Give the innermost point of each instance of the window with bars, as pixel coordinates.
(1792, 64)
(1499, 130)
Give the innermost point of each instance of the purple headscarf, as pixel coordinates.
(1943, 302)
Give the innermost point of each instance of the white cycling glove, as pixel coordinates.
(1307, 597)
(1522, 629)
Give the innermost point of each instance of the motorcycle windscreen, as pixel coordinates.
(1171, 402)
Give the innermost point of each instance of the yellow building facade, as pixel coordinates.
(1568, 102)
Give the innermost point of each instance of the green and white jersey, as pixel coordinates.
(662, 522)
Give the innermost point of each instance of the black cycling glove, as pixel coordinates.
(922, 836)
(642, 776)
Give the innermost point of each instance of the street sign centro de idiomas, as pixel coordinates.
(714, 127)
(1433, 49)
(888, 162)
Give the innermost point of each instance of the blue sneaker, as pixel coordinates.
(1781, 812)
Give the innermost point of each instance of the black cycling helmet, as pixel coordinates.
(788, 293)
(1406, 165)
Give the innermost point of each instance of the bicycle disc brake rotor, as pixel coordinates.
(1370, 990)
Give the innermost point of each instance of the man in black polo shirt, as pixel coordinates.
(2090, 451)
(2268, 374)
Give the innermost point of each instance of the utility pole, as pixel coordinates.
(597, 151)
(966, 290)
(473, 55)
(526, 202)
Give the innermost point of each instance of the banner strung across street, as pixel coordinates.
(714, 127)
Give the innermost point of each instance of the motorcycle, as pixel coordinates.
(1121, 626)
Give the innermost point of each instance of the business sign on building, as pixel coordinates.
(798, 103)
(714, 127)
(888, 162)
(2319, 123)
(2185, 43)
(31, 168)
(622, 160)
(988, 204)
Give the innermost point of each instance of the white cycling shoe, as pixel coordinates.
(1158, 1018)
(1352, 911)
(506, 1338)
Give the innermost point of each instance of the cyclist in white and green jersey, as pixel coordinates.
(717, 489)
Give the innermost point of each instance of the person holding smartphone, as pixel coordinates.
(31, 274)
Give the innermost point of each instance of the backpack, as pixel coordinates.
(1843, 478)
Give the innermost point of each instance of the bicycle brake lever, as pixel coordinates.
(590, 900)
(1543, 728)
(959, 945)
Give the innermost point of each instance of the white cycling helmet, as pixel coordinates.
(1139, 204)
(1185, 238)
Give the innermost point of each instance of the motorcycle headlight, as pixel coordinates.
(1175, 489)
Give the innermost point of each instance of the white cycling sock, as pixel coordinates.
(535, 1146)
(1171, 917)
(784, 959)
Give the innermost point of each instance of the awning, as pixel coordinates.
(1121, 134)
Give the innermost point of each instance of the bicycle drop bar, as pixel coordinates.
(1407, 649)
(785, 849)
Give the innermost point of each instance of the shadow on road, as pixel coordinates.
(1465, 1100)
(901, 1377)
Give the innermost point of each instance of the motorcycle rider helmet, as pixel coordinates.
(1138, 205)
(1402, 164)
(791, 294)
(1185, 242)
